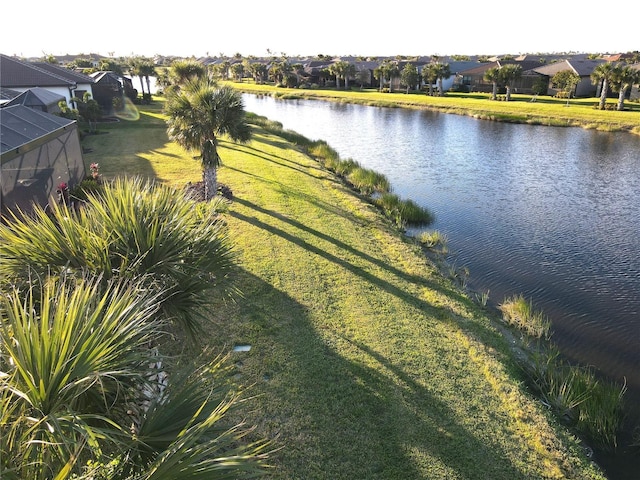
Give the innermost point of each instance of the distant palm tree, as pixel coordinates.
(623, 78)
(342, 69)
(199, 113)
(409, 76)
(493, 75)
(603, 73)
(182, 71)
(430, 76)
(441, 71)
(508, 75)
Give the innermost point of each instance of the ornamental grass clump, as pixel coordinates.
(368, 181)
(519, 312)
(403, 212)
(576, 393)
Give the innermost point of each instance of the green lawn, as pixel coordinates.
(545, 110)
(365, 363)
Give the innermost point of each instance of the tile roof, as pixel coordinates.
(15, 73)
(64, 72)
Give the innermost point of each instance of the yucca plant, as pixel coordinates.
(132, 229)
(74, 383)
(184, 433)
(72, 354)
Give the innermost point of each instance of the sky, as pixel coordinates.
(198, 28)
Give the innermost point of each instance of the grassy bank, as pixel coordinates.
(544, 111)
(364, 361)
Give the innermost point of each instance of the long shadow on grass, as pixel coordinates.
(302, 196)
(335, 416)
(343, 246)
(270, 158)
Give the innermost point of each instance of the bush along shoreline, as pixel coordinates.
(579, 397)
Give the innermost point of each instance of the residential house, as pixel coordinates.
(21, 76)
(38, 152)
(94, 58)
(109, 88)
(473, 79)
(84, 83)
(583, 67)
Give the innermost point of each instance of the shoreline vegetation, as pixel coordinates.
(353, 353)
(364, 360)
(545, 110)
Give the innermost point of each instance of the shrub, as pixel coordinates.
(133, 229)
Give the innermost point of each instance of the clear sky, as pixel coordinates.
(329, 27)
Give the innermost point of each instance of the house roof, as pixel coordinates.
(21, 125)
(7, 94)
(583, 67)
(15, 73)
(35, 97)
(64, 72)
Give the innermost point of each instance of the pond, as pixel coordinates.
(551, 213)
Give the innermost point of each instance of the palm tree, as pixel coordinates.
(342, 69)
(566, 80)
(200, 113)
(409, 76)
(81, 395)
(143, 69)
(603, 73)
(441, 71)
(623, 78)
(430, 76)
(182, 71)
(508, 75)
(493, 75)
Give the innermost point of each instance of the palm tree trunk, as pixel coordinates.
(494, 91)
(603, 93)
(210, 180)
(621, 95)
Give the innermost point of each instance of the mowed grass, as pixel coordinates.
(545, 110)
(365, 363)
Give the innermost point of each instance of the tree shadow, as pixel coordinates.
(348, 249)
(284, 162)
(336, 408)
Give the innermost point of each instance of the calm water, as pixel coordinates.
(552, 213)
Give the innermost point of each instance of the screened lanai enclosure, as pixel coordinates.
(38, 153)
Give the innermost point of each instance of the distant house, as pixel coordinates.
(583, 67)
(84, 83)
(108, 87)
(38, 152)
(21, 76)
(473, 79)
(94, 58)
(39, 99)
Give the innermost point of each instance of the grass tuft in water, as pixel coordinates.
(520, 313)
